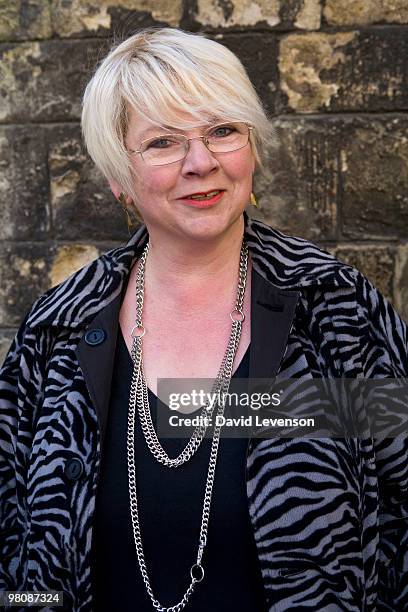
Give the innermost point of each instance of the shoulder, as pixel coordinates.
(294, 262)
(291, 262)
(76, 300)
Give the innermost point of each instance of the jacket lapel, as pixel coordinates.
(272, 314)
(97, 361)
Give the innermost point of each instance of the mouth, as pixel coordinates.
(201, 196)
(203, 200)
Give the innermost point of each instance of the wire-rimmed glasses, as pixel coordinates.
(169, 148)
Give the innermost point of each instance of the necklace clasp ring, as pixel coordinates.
(142, 331)
(195, 567)
(239, 312)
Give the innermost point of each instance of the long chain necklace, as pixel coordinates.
(139, 395)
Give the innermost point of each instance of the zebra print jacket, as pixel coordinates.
(329, 515)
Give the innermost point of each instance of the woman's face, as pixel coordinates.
(160, 189)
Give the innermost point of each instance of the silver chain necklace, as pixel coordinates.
(139, 395)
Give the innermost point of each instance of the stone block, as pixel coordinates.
(341, 71)
(69, 258)
(21, 20)
(305, 16)
(88, 18)
(337, 176)
(401, 281)
(241, 13)
(24, 277)
(377, 263)
(82, 205)
(28, 270)
(365, 12)
(24, 196)
(258, 53)
(299, 194)
(279, 14)
(44, 81)
(374, 168)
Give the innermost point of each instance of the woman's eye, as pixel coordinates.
(160, 143)
(219, 132)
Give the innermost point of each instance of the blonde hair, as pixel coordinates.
(160, 72)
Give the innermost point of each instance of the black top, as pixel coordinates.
(170, 502)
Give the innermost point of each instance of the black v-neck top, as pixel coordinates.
(170, 502)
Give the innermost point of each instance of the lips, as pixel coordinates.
(199, 194)
(208, 201)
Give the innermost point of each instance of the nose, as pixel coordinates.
(199, 160)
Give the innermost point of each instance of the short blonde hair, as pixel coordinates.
(160, 72)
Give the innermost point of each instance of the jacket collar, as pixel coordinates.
(284, 262)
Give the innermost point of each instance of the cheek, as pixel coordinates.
(157, 180)
(240, 168)
(154, 182)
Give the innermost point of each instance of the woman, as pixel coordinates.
(89, 505)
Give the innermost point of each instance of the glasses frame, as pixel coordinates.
(204, 138)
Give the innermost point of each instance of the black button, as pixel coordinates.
(95, 336)
(74, 469)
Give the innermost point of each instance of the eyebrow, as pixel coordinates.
(170, 128)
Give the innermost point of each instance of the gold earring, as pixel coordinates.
(122, 198)
(254, 201)
(130, 224)
(128, 221)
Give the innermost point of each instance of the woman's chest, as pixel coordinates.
(177, 351)
(181, 343)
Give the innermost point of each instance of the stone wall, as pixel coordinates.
(332, 73)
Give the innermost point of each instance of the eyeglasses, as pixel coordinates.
(170, 148)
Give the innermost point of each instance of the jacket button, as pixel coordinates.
(74, 469)
(95, 336)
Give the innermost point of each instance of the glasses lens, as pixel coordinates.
(227, 137)
(163, 149)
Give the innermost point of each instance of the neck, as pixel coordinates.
(195, 275)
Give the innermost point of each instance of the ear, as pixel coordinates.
(115, 189)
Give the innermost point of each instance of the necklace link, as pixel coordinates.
(139, 397)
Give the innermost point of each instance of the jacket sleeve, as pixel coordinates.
(387, 346)
(385, 355)
(13, 373)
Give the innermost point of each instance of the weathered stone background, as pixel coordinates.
(332, 73)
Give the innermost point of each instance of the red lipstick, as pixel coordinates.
(202, 203)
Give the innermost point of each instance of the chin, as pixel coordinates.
(209, 226)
